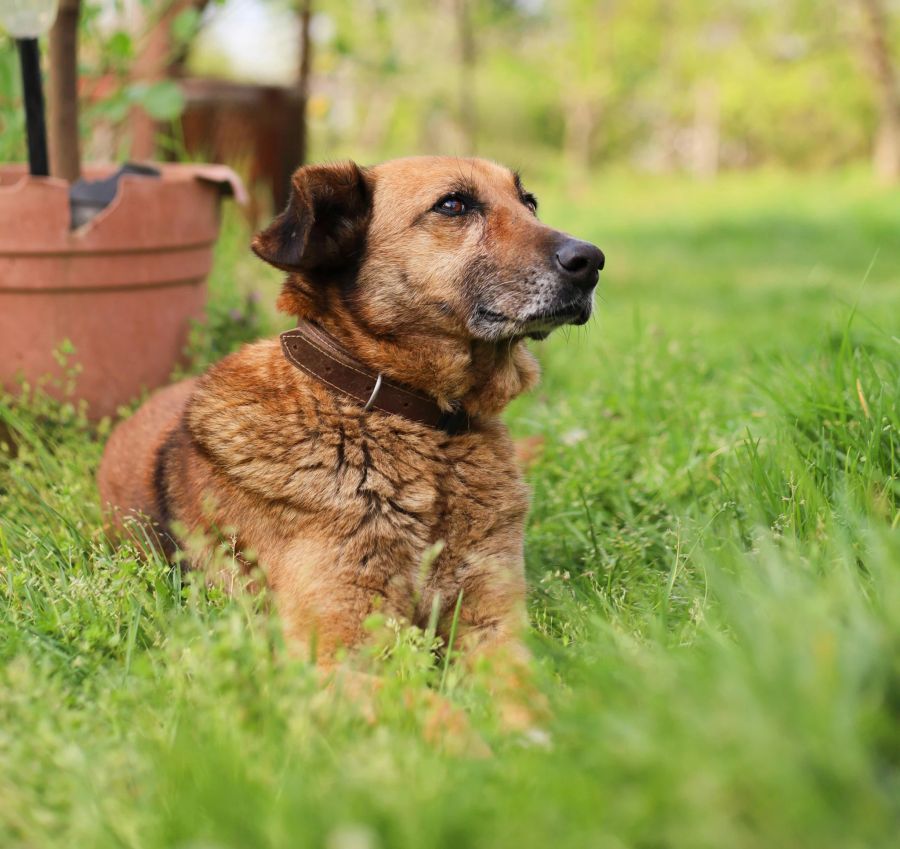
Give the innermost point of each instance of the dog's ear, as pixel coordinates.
(324, 224)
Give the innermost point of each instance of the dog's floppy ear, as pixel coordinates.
(325, 222)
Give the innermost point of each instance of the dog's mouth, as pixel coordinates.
(497, 325)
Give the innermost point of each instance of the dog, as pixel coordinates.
(359, 462)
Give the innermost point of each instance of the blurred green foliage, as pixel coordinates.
(660, 84)
(774, 81)
(714, 579)
(107, 49)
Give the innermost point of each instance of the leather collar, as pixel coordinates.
(319, 355)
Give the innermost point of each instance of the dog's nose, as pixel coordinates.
(579, 262)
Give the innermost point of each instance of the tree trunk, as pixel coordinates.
(65, 161)
(156, 60)
(468, 112)
(886, 152)
(303, 79)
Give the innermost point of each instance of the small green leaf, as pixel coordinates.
(185, 25)
(163, 100)
(120, 46)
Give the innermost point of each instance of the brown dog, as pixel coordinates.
(427, 272)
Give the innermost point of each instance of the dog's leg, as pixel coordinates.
(492, 624)
(323, 614)
(496, 651)
(323, 609)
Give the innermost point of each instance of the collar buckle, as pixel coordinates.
(375, 390)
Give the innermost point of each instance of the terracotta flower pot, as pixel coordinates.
(122, 289)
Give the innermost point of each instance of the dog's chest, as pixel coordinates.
(401, 493)
(410, 518)
(305, 472)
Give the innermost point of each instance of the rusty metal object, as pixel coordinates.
(256, 128)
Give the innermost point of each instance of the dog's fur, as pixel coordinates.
(340, 507)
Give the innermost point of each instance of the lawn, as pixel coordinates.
(714, 568)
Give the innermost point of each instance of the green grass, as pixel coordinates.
(713, 556)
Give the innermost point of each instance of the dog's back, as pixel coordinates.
(129, 472)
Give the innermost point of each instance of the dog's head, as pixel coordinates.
(430, 245)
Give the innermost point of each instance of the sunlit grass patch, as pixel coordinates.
(714, 570)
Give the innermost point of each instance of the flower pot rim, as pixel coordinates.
(136, 196)
(175, 211)
(220, 175)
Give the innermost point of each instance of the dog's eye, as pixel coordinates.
(531, 202)
(452, 205)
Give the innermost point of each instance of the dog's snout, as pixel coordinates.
(580, 262)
